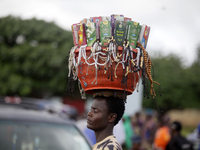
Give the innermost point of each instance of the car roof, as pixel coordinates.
(17, 113)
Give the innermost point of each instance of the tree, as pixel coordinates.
(33, 57)
(193, 82)
(178, 84)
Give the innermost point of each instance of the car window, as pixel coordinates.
(40, 136)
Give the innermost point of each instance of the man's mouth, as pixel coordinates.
(89, 121)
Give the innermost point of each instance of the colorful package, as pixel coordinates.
(105, 32)
(127, 19)
(144, 34)
(105, 18)
(86, 20)
(120, 31)
(90, 29)
(112, 19)
(97, 20)
(75, 34)
(119, 17)
(133, 33)
(82, 40)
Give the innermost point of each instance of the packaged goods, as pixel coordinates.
(127, 19)
(119, 17)
(82, 40)
(106, 60)
(144, 34)
(105, 18)
(75, 34)
(105, 32)
(120, 31)
(86, 20)
(133, 33)
(90, 29)
(112, 19)
(97, 20)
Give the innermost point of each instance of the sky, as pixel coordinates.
(174, 23)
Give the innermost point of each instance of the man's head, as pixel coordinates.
(164, 120)
(176, 126)
(105, 111)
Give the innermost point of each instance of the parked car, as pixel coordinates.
(23, 127)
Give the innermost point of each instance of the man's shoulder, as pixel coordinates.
(109, 143)
(183, 143)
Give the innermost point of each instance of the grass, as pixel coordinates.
(187, 130)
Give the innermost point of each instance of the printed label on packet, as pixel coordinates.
(105, 18)
(75, 34)
(127, 19)
(81, 34)
(90, 29)
(105, 32)
(97, 20)
(119, 17)
(144, 34)
(120, 30)
(133, 33)
(112, 19)
(86, 20)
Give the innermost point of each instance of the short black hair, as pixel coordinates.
(176, 125)
(115, 105)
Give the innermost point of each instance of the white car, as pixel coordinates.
(28, 129)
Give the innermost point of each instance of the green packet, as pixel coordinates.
(90, 29)
(133, 33)
(120, 32)
(105, 32)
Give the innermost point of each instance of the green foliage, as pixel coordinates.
(180, 87)
(33, 63)
(33, 57)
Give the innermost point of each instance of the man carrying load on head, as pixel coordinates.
(105, 113)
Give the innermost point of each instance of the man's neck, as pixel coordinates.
(100, 135)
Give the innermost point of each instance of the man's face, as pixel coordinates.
(97, 118)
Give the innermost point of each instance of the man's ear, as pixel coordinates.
(112, 117)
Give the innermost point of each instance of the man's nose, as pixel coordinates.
(89, 113)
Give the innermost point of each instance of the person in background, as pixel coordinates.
(128, 131)
(178, 142)
(199, 135)
(137, 124)
(162, 135)
(148, 129)
(137, 141)
(105, 113)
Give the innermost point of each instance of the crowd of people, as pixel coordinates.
(147, 131)
(153, 132)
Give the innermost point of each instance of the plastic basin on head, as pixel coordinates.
(95, 79)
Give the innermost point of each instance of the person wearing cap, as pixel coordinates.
(105, 113)
(178, 142)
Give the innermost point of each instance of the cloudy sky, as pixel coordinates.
(174, 23)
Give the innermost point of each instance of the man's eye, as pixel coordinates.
(95, 111)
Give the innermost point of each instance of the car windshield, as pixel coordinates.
(40, 136)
